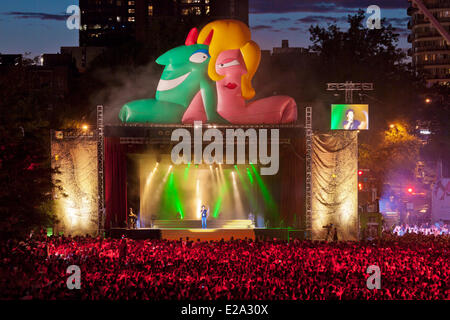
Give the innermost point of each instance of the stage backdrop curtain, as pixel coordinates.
(335, 184)
(77, 203)
(115, 183)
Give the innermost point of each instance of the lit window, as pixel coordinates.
(150, 10)
(207, 10)
(185, 12)
(131, 3)
(131, 11)
(131, 19)
(119, 3)
(119, 19)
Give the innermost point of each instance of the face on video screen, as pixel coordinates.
(349, 117)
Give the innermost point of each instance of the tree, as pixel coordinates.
(393, 156)
(25, 171)
(356, 52)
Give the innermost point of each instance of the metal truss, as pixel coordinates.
(100, 168)
(308, 198)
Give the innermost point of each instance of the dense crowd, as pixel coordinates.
(426, 229)
(412, 267)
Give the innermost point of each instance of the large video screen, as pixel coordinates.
(349, 117)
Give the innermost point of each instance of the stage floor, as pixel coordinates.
(216, 234)
(197, 224)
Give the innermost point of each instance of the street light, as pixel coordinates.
(428, 100)
(85, 127)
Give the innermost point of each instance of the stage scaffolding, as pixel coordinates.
(160, 134)
(308, 182)
(101, 152)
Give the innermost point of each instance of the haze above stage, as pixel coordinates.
(123, 142)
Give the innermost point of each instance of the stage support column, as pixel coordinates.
(308, 189)
(100, 166)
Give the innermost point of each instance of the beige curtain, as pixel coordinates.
(335, 184)
(76, 203)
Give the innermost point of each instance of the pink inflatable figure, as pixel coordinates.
(234, 61)
(232, 106)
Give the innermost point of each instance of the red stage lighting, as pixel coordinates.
(360, 172)
(410, 190)
(360, 186)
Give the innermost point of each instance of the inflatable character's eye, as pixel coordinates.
(199, 57)
(228, 64)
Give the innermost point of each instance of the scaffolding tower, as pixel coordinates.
(100, 169)
(308, 198)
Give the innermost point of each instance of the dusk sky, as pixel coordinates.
(39, 26)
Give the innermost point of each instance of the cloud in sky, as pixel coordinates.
(37, 15)
(320, 19)
(282, 19)
(261, 27)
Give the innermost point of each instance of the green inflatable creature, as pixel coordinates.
(185, 92)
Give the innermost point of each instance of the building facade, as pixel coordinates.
(82, 56)
(430, 39)
(106, 23)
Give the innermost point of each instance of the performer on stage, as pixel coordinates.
(133, 219)
(205, 214)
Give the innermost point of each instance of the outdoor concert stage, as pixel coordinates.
(140, 174)
(131, 167)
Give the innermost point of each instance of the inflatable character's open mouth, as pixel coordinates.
(165, 85)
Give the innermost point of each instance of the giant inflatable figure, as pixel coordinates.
(209, 80)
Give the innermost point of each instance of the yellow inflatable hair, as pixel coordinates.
(232, 35)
